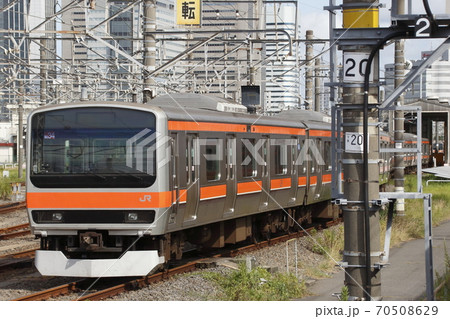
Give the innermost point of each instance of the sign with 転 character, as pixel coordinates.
(189, 12)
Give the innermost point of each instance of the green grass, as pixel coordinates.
(329, 243)
(404, 228)
(411, 226)
(344, 294)
(5, 182)
(443, 281)
(257, 285)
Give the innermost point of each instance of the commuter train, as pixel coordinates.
(119, 189)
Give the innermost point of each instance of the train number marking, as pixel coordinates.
(355, 66)
(354, 142)
(146, 198)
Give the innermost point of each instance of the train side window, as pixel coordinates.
(327, 155)
(301, 157)
(213, 154)
(248, 161)
(191, 158)
(231, 157)
(280, 159)
(187, 162)
(265, 149)
(293, 148)
(316, 167)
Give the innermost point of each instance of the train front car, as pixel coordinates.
(95, 196)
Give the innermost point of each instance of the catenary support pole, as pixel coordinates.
(20, 129)
(309, 70)
(43, 71)
(361, 185)
(149, 90)
(399, 117)
(317, 85)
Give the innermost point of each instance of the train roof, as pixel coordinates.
(199, 101)
(305, 115)
(206, 108)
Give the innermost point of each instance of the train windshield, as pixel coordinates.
(95, 147)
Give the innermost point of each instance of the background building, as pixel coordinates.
(11, 53)
(99, 51)
(104, 73)
(432, 84)
(282, 74)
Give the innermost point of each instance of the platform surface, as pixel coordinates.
(404, 278)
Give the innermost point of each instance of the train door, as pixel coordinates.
(294, 171)
(317, 163)
(308, 167)
(174, 180)
(311, 150)
(230, 167)
(265, 173)
(326, 168)
(192, 177)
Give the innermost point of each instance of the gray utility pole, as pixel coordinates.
(309, 71)
(43, 71)
(20, 129)
(360, 158)
(149, 90)
(317, 85)
(399, 117)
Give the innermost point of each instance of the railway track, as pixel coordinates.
(20, 254)
(15, 231)
(69, 288)
(20, 259)
(76, 287)
(4, 209)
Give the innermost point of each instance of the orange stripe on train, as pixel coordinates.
(182, 196)
(277, 130)
(99, 200)
(320, 133)
(326, 178)
(206, 126)
(249, 187)
(302, 181)
(280, 183)
(210, 192)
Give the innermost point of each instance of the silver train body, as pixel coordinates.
(118, 189)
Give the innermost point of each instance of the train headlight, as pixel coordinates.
(132, 217)
(57, 217)
(140, 217)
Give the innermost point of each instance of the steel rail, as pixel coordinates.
(143, 282)
(135, 284)
(17, 260)
(12, 207)
(13, 228)
(53, 292)
(140, 283)
(15, 231)
(21, 254)
(15, 234)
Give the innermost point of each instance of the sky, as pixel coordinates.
(314, 17)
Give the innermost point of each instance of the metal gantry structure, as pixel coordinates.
(36, 58)
(357, 119)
